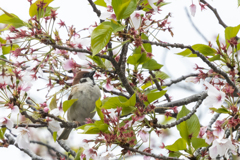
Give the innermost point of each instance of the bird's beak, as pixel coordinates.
(91, 74)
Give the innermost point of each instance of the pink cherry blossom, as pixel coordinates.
(210, 137)
(136, 18)
(144, 135)
(108, 86)
(219, 147)
(215, 97)
(69, 64)
(6, 121)
(91, 153)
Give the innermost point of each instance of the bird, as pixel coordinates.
(87, 92)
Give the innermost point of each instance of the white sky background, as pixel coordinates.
(80, 14)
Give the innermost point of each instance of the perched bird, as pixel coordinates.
(87, 92)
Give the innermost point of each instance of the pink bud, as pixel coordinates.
(45, 109)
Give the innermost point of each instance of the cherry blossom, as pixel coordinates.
(144, 135)
(90, 153)
(6, 121)
(107, 155)
(136, 18)
(54, 125)
(219, 147)
(22, 138)
(69, 65)
(215, 97)
(108, 86)
(192, 79)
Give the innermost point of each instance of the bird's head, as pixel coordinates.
(83, 77)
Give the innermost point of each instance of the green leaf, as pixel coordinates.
(238, 3)
(2, 132)
(68, 103)
(100, 37)
(231, 32)
(186, 53)
(54, 136)
(147, 46)
(152, 65)
(158, 74)
(79, 152)
(2, 62)
(190, 127)
(101, 3)
(7, 49)
(33, 8)
(175, 154)
(204, 49)
(161, 75)
(53, 103)
(126, 104)
(94, 128)
(217, 41)
(198, 143)
(116, 26)
(220, 110)
(180, 144)
(98, 109)
(123, 8)
(133, 59)
(11, 19)
(152, 96)
(214, 58)
(97, 60)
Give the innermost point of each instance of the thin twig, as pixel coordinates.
(215, 12)
(181, 119)
(11, 141)
(158, 86)
(149, 154)
(95, 8)
(49, 147)
(200, 55)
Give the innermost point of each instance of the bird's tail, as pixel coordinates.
(65, 134)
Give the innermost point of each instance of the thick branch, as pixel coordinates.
(184, 101)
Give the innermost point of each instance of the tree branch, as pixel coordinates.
(215, 12)
(11, 141)
(158, 86)
(204, 59)
(49, 147)
(95, 8)
(149, 154)
(184, 101)
(179, 79)
(181, 119)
